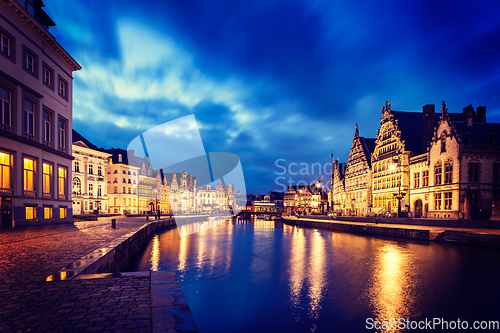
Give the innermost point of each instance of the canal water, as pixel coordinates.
(264, 276)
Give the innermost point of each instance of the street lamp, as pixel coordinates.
(319, 185)
(400, 195)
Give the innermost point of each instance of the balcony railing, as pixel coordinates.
(47, 195)
(29, 193)
(29, 136)
(47, 143)
(418, 159)
(5, 127)
(481, 147)
(6, 191)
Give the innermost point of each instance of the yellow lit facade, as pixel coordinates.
(36, 118)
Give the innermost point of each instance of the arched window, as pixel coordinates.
(438, 171)
(77, 186)
(448, 171)
(443, 142)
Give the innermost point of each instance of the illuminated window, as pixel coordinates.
(77, 186)
(63, 212)
(29, 176)
(91, 190)
(425, 178)
(29, 119)
(438, 170)
(448, 200)
(47, 213)
(5, 109)
(62, 181)
(416, 179)
(437, 201)
(448, 171)
(62, 134)
(124, 202)
(474, 172)
(116, 202)
(30, 213)
(134, 202)
(129, 202)
(47, 179)
(5, 168)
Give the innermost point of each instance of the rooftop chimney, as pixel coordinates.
(428, 120)
(468, 115)
(481, 114)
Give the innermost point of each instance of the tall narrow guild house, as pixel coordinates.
(36, 91)
(358, 183)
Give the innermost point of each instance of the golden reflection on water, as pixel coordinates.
(297, 267)
(183, 244)
(391, 293)
(307, 271)
(316, 274)
(155, 254)
(189, 228)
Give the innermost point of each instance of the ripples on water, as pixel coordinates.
(264, 276)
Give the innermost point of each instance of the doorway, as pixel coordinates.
(6, 212)
(418, 208)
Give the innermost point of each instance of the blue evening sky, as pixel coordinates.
(275, 82)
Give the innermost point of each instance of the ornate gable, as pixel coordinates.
(388, 142)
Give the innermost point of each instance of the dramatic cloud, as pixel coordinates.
(274, 80)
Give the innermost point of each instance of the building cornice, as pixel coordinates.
(42, 32)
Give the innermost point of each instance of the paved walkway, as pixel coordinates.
(29, 304)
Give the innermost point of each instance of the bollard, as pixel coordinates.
(147, 217)
(113, 223)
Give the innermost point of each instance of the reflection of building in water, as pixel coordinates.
(187, 227)
(307, 271)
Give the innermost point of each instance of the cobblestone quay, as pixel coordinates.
(30, 304)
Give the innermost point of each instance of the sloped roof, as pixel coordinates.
(479, 132)
(410, 125)
(78, 137)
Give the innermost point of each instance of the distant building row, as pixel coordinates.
(118, 182)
